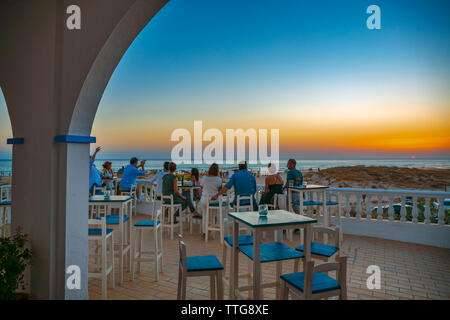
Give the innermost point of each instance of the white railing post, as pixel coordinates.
(427, 212)
(347, 205)
(403, 209)
(358, 205)
(415, 212)
(441, 213)
(391, 209)
(368, 207)
(380, 208)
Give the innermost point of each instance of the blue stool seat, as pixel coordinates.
(98, 231)
(320, 249)
(332, 203)
(114, 219)
(202, 263)
(308, 203)
(321, 281)
(274, 251)
(216, 204)
(5, 203)
(146, 223)
(242, 203)
(243, 240)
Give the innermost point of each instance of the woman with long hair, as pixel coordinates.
(211, 183)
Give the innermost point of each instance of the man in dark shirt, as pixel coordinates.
(294, 178)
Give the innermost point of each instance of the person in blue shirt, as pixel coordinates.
(244, 184)
(130, 173)
(94, 175)
(294, 178)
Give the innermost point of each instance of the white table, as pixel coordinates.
(276, 220)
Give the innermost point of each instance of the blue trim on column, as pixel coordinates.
(14, 141)
(75, 139)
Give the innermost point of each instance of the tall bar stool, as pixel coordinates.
(102, 236)
(132, 193)
(215, 210)
(169, 219)
(198, 266)
(137, 256)
(315, 283)
(156, 198)
(322, 251)
(242, 203)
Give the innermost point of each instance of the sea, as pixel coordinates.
(156, 164)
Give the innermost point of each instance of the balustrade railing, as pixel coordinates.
(429, 207)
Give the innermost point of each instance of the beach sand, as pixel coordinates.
(381, 178)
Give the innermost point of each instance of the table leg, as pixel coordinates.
(256, 265)
(326, 221)
(291, 209)
(121, 231)
(307, 241)
(234, 272)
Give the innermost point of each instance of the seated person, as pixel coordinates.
(170, 187)
(273, 185)
(244, 184)
(195, 179)
(130, 173)
(157, 178)
(107, 175)
(94, 176)
(293, 178)
(211, 184)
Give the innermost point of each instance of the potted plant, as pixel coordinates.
(14, 259)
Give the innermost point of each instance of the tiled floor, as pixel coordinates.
(408, 271)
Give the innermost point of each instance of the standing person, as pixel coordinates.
(170, 187)
(294, 178)
(211, 184)
(94, 176)
(108, 175)
(273, 185)
(130, 173)
(195, 179)
(158, 178)
(244, 184)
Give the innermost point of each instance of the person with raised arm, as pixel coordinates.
(130, 174)
(94, 176)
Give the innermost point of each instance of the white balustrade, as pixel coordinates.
(412, 215)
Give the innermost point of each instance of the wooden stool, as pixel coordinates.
(196, 267)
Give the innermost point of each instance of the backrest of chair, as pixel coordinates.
(182, 249)
(167, 197)
(240, 198)
(132, 191)
(333, 231)
(341, 271)
(99, 223)
(156, 217)
(156, 195)
(209, 200)
(95, 189)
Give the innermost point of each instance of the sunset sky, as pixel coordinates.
(312, 69)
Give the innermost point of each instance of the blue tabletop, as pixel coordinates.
(309, 187)
(274, 218)
(101, 198)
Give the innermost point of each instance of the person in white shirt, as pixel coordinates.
(157, 179)
(211, 184)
